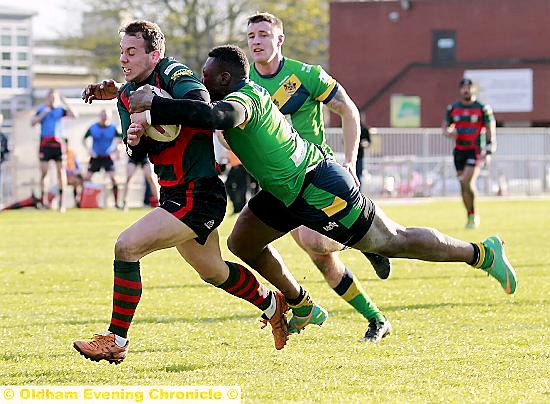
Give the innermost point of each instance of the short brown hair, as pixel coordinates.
(150, 32)
(268, 17)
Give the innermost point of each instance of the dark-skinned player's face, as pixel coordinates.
(211, 78)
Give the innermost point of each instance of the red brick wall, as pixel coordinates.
(367, 50)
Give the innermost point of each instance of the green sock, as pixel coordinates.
(351, 291)
(302, 305)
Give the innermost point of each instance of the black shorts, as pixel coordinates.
(201, 205)
(51, 149)
(99, 162)
(465, 158)
(330, 203)
(142, 163)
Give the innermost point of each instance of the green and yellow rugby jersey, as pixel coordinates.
(267, 145)
(298, 89)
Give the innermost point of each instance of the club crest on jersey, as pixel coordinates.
(181, 72)
(290, 87)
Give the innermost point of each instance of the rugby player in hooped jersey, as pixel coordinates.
(465, 122)
(305, 185)
(192, 203)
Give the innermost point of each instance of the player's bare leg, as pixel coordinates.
(468, 187)
(250, 240)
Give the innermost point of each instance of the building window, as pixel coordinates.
(22, 40)
(5, 40)
(6, 81)
(6, 56)
(21, 55)
(443, 47)
(22, 81)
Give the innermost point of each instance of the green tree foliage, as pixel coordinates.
(306, 28)
(192, 27)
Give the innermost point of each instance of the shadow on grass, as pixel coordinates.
(203, 320)
(180, 368)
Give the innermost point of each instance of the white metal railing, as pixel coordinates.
(418, 162)
(400, 162)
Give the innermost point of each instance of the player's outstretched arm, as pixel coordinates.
(193, 113)
(106, 90)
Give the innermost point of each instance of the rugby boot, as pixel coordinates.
(279, 324)
(377, 330)
(473, 221)
(381, 264)
(102, 347)
(317, 315)
(500, 268)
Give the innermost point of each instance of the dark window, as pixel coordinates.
(443, 47)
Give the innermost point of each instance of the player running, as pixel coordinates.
(304, 185)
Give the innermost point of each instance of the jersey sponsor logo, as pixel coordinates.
(209, 224)
(306, 68)
(330, 226)
(172, 67)
(182, 72)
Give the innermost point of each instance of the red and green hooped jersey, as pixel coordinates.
(267, 145)
(469, 120)
(298, 89)
(190, 156)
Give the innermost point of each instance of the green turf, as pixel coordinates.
(457, 336)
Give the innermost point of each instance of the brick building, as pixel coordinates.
(381, 50)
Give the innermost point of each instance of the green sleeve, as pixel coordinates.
(124, 118)
(318, 82)
(488, 116)
(178, 78)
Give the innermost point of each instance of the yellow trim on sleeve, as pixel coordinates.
(327, 92)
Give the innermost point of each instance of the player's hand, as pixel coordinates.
(134, 133)
(140, 118)
(485, 159)
(450, 132)
(350, 168)
(141, 100)
(106, 90)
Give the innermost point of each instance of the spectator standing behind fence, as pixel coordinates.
(364, 143)
(472, 125)
(105, 139)
(52, 146)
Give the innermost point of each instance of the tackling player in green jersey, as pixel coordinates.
(300, 182)
(299, 90)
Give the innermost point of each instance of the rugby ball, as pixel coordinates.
(161, 133)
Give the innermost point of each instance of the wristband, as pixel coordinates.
(489, 149)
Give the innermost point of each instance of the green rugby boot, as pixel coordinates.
(317, 315)
(500, 268)
(473, 221)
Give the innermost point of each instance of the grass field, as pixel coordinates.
(457, 336)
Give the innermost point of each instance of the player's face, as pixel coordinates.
(467, 92)
(136, 64)
(264, 41)
(211, 80)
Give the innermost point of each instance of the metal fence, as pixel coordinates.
(418, 162)
(399, 163)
